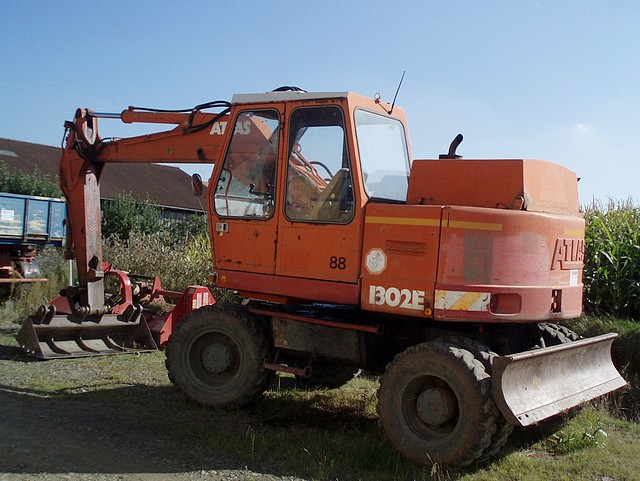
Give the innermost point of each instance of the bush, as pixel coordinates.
(192, 227)
(612, 261)
(124, 215)
(37, 183)
(139, 240)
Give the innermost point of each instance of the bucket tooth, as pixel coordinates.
(531, 386)
(64, 337)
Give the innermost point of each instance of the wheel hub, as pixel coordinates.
(436, 406)
(216, 358)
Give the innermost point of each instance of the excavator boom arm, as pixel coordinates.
(195, 139)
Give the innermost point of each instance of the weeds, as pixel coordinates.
(624, 403)
(568, 442)
(21, 299)
(179, 264)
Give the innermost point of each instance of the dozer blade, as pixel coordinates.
(535, 385)
(64, 337)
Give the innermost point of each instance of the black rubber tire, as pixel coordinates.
(215, 357)
(457, 376)
(485, 355)
(329, 374)
(554, 334)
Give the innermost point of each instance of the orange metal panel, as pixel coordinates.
(533, 260)
(550, 187)
(477, 183)
(535, 185)
(319, 251)
(399, 262)
(263, 286)
(249, 245)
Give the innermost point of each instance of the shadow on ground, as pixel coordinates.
(99, 427)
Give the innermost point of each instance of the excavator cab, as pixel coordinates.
(317, 174)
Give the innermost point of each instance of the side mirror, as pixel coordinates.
(196, 185)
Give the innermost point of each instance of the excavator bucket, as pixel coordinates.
(53, 336)
(535, 385)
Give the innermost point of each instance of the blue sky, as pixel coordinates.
(535, 79)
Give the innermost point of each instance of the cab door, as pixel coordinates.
(318, 232)
(242, 209)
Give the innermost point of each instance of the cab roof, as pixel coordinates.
(287, 95)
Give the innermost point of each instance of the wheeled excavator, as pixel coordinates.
(445, 277)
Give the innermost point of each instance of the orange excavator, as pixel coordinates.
(445, 277)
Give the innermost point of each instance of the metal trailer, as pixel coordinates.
(27, 223)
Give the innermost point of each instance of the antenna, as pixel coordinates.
(393, 104)
(377, 96)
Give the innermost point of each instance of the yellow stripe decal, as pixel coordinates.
(459, 224)
(454, 224)
(574, 232)
(462, 301)
(372, 219)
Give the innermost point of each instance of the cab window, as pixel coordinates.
(246, 184)
(319, 186)
(384, 155)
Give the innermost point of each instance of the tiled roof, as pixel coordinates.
(162, 184)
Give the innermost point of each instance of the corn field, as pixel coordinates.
(612, 263)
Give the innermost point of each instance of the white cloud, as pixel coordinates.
(582, 129)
